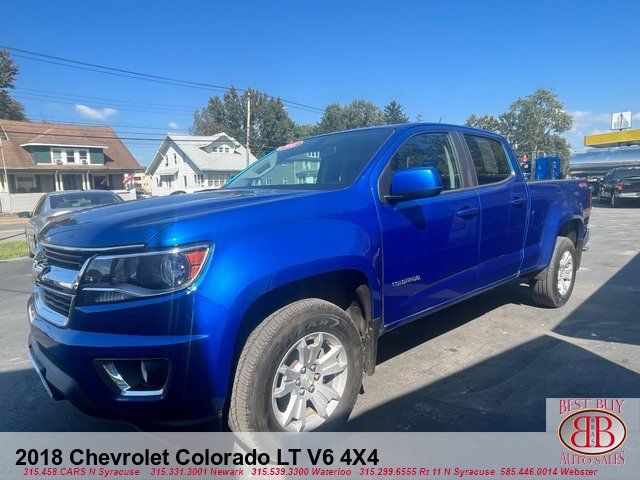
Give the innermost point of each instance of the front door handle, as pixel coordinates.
(518, 201)
(467, 212)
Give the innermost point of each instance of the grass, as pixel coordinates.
(9, 250)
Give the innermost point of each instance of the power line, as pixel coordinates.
(137, 75)
(37, 98)
(65, 121)
(132, 102)
(115, 137)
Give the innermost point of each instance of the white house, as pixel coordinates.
(190, 163)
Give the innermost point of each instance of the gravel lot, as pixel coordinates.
(484, 365)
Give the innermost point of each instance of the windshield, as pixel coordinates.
(82, 199)
(328, 162)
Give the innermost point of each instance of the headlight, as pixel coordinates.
(121, 277)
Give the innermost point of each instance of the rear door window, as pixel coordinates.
(489, 159)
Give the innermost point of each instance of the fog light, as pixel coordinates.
(135, 377)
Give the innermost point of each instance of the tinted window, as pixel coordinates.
(329, 161)
(626, 173)
(429, 150)
(38, 208)
(82, 199)
(489, 159)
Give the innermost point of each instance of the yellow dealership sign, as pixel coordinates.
(613, 139)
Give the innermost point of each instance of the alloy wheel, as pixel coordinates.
(309, 382)
(565, 273)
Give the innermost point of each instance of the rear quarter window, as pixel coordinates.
(489, 158)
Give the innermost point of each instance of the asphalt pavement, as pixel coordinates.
(484, 365)
(11, 231)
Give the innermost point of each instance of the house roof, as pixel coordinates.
(193, 148)
(17, 135)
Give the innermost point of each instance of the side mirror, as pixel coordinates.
(24, 215)
(412, 183)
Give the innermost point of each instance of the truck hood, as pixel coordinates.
(137, 222)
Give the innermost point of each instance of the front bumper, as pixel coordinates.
(66, 359)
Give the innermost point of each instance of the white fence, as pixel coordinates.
(25, 202)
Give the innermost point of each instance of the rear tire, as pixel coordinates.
(553, 286)
(276, 389)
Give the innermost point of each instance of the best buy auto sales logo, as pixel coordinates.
(592, 432)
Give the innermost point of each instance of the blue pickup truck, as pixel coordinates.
(262, 303)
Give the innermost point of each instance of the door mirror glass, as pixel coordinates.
(24, 215)
(412, 183)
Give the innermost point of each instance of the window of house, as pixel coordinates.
(83, 156)
(285, 180)
(56, 155)
(101, 182)
(166, 181)
(210, 179)
(175, 159)
(70, 156)
(429, 150)
(226, 149)
(489, 159)
(268, 181)
(166, 161)
(184, 180)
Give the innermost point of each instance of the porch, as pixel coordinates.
(20, 190)
(29, 182)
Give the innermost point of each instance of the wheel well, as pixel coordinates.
(571, 230)
(348, 289)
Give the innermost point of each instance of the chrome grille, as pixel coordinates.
(71, 259)
(56, 299)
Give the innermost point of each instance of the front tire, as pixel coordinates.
(300, 370)
(553, 286)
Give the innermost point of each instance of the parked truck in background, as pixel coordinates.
(620, 185)
(263, 302)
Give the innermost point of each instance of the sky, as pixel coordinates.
(441, 60)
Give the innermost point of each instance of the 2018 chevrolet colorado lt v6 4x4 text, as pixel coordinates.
(263, 302)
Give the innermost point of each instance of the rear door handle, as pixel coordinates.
(517, 201)
(467, 212)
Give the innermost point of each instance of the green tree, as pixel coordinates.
(485, 122)
(9, 108)
(357, 114)
(533, 124)
(394, 113)
(271, 125)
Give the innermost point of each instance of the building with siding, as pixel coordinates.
(36, 158)
(190, 163)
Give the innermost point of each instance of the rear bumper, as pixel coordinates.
(629, 195)
(66, 361)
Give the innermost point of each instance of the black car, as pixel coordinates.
(620, 184)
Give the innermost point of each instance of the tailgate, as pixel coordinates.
(630, 184)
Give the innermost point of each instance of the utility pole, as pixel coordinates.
(6, 176)
(248, 124)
